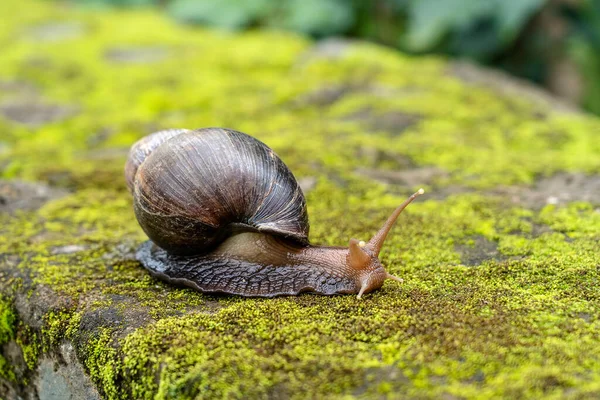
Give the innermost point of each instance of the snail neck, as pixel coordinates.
(317, 268)
(266, 249)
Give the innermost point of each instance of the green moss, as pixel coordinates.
(7, 333)
(520, 323)
(103, 364)
(60, 326)
(29, 342)
(577, 220)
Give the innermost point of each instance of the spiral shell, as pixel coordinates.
(192, 189)
(142, 149)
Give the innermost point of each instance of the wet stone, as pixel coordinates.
(503, 83)
(136, 55)
(409, 178)
(119, 312)
(375, 157)
(56, 31)
(72, 248)
(307, 183)
(33, 307)
(394, 123)
(16, 87)
(323, 96)
(62, 377)
(561, 188)
(481, 251)
(35, 113)
(17, 195)
(329, 49)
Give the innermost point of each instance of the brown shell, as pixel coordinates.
(142, 149)
(194, 188)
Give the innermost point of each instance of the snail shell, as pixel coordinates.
(192, 189)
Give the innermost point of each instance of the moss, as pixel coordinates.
(577, 220)
(521, 322)
(58, 326)
(7, 333)
(30, 344)
(103, 365)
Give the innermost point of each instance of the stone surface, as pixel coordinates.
(504, 83)
(499, 257)
(63, 378)
(561, 188)
(56, 31)
(35, 113)
(136, 55)
(27, 196)
(479, 251)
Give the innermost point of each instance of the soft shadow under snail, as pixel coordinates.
(225, 214)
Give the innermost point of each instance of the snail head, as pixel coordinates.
(363, 257)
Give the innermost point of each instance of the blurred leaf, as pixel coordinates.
(227, 14)
(479, 41)
(584, 48)
(316, 17)
(585, 22)
(588, 61)
(432, 20)
(512, 15)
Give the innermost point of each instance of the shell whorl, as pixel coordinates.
(194, 188)
(143, 148)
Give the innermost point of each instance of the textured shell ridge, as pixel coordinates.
(141, 149)
(194, 185)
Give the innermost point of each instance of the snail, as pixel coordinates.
(225, 214)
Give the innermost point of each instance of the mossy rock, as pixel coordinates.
(500, 259)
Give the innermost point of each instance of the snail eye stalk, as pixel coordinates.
(376, 243)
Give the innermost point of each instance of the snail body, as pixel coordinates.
(225, 214)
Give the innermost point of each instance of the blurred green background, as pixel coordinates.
(554, 43)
